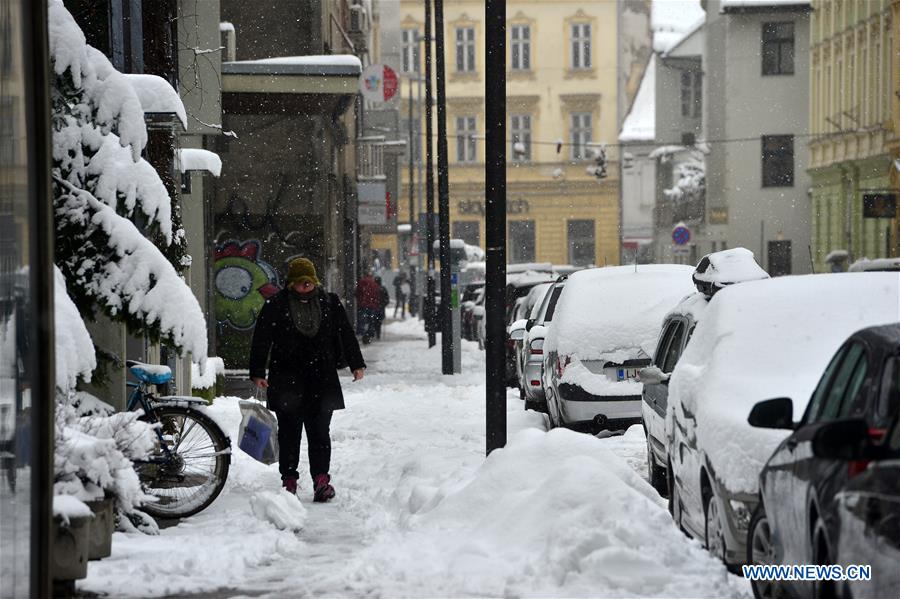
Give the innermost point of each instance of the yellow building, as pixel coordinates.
(561, 104)
(851, 106)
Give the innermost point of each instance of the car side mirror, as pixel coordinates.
(652, 375)
(529, 324)
(843, 440)
(773, 413)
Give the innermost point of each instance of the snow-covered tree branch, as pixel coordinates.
(109, 202)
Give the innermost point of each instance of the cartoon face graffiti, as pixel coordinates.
(243, 283)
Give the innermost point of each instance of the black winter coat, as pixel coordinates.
(305, 365)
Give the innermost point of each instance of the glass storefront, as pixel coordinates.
(24, 270)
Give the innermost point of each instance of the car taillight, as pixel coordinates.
(877, 434)
(561, 363)
(510, 343)
(537, 347)
(857, 467)
(535, 383)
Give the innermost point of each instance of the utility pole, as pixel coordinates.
(446, 315)
(430, 323)
(495, 223)
(412, 183)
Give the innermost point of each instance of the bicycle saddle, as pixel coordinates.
(151, 374)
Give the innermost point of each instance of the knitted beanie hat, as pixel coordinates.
(301, 269)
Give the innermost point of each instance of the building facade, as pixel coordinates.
(851, 105)
(562, 104)
(756, 119)
(289, 102)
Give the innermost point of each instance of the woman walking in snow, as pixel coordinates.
(303, 334)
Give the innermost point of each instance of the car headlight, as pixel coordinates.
(741, 512)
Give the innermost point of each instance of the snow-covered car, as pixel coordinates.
(533, 335)
(714, 272)
(605, 327)
(530, 306)
(518, 287)
(756, 340)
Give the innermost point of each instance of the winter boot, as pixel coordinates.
(323, 489)
(290, 485)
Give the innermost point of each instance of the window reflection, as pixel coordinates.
(15, 392)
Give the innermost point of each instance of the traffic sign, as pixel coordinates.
(681, 235)
(378, 83)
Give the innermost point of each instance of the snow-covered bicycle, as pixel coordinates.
(190, 465)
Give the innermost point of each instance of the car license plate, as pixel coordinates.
(626, 374)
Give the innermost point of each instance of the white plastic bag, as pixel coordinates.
(258, 435)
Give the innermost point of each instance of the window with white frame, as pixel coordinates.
(581, 45)
(520, 130)
(410, 38)
(580, 127)
(465, 139)
(465, 49)
(520, 47)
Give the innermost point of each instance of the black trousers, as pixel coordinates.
(293, 415)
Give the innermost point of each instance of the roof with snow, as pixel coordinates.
(763, 4)
(157, 96)
(671, 19)
(640, 124)
(334, 64)
(195, 159)
(678, 41)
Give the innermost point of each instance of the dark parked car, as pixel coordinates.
(830, 493)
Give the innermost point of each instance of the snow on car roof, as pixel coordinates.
(609, 313)
(766, 339)
(731, 266)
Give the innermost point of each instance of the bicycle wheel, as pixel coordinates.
(191, 474)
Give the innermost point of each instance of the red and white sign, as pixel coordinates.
(378, 83)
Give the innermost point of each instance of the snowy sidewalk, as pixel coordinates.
(420, 512)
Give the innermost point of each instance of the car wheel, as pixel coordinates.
(715, 525)
(761, 552)
(656, 474)
(822, 589)
(675, 502)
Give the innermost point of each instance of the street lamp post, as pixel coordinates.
(495, 223)
(446, 314)
(429, 183)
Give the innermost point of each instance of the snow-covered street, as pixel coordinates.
(420, 512)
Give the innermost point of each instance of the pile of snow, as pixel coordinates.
(156, 95)
(195, 159)
(615, 313)
(74, 349)
(878, 264)
(551, 511)
(207, 378)
(727, 267)
(640, 124)
(765, 339)
(66, 507)
(281, 508)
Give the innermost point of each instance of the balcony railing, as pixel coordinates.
(370, 157)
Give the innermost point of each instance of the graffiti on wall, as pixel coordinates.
(243, 282)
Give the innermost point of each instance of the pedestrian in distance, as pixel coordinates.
(368, 302)
(399, 298)
(406, 292)
(302, 336)
(384, 298)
